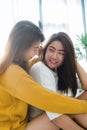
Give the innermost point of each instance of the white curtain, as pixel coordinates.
(86, 13)
(12, 11)
(57, 15)
(62, 15)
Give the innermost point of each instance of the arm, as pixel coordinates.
(82, 76)
(34, 94)
(66, 123)
(27, 90)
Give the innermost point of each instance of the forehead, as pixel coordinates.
(56, 45)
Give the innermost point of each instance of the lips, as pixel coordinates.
(53, 62)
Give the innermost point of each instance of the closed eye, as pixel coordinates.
(61, 52)
(51, 50)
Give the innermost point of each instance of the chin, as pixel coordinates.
(51, 67)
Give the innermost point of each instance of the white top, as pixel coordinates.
(47, 78)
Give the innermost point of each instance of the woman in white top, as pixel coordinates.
(57, 72)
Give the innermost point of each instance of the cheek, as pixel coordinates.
(46, 57)
(29, 55)
(32, 54)
(36, 52)
(62, 59)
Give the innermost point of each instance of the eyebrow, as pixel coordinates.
(55, 48)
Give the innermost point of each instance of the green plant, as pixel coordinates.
(81, 46)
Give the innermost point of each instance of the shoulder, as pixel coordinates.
(13, 77)
(13, 68)
(37, 66)
(15, 72)
(35, 69)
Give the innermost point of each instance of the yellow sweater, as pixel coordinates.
(17, 90)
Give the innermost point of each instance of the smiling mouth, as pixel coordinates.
(53, 62)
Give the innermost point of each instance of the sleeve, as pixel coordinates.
(32, 93)
(27, 90)
(47, 80)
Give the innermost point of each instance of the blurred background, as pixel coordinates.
(51, 16)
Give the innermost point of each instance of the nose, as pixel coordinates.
(55, 55)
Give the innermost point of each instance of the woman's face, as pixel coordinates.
(32, 51)
(54, 56)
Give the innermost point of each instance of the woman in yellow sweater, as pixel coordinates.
(17, 88)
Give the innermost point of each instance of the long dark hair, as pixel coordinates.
(67, 71)
(22, 36)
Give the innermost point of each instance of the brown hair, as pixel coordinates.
(22, 36)
(67, 71)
